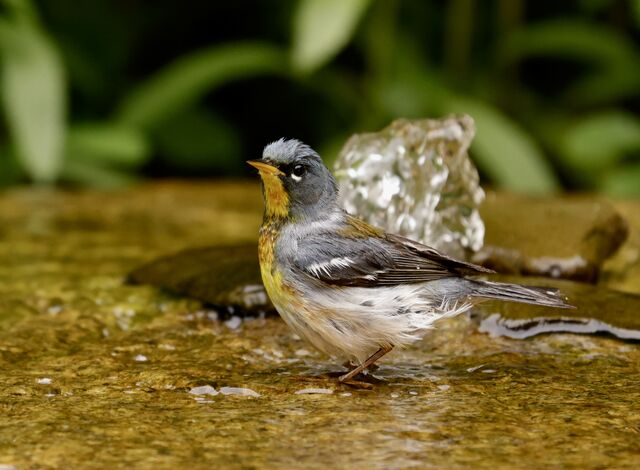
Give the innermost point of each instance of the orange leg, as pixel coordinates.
(373, 358)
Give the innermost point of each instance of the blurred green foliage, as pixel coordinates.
(100, 93)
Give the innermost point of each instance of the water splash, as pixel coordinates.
(415, 178)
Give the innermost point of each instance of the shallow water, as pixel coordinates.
(98, 374)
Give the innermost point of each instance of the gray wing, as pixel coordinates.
(375, 261)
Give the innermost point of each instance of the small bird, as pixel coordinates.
(348, 288)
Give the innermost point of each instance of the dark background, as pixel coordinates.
(104, 92)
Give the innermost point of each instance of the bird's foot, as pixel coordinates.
(352, 365)
(360, 381)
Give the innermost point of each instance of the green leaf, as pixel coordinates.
(607, 86)
(568, 38)
(635, 10)
(109, 144)
(614, 60)
(321, 28)
(185, 81)
(504, 151)
(412, 89)
(95, 175)
(33, 90)
(624, 181)
(198, 139)
(600, 140)
(595, 6)
(10, 171)
(22, 10)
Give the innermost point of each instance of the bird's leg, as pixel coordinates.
(373, 358)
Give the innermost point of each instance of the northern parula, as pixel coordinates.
(348, 288)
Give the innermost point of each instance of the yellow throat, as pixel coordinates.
(276, 198)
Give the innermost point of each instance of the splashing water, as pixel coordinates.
(415, 178)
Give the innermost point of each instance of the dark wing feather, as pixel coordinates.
(454, 265)
(372, 261)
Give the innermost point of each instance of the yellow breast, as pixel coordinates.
(271, 276)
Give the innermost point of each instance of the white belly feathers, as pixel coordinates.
(353, 322)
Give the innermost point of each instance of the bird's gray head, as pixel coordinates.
(296, 182)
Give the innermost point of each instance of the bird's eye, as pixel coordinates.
(298, 171)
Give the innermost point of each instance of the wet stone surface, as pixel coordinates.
(567, 238)
(227, 277)
(622, 271)
(96, 373)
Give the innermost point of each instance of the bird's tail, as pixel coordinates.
(546, 296)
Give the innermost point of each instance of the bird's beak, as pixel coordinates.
(265, 167)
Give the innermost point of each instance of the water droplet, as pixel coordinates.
(310, 391)
(233, 323)
(54, 309)
(204, 390)
(245, 392)
(141, 358)
(44, 381)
